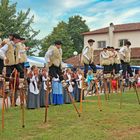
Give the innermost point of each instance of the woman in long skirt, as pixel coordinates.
(33, 91)
(44, 78)
(68, 76)
(57, 92)
(79, 85)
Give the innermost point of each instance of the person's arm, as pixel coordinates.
(48, 54)
(104, 55)
(122, 51)
(4, 50)
(85, 53)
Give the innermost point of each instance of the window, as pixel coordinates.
(101, 44)
(122, 42)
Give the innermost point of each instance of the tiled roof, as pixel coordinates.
(135, 54)
(117, 28)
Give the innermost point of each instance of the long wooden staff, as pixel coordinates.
(82, 92)
(97, 92)
(14, 89)
(135, 88)
(72, 100)
(105, 88)
(3, 102)
(47, 93)
(22, 106)
(121, 91)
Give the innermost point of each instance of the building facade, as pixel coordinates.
(115, 35)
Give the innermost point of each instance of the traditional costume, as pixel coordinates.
(13, 58)
(43, 89)
(53, 61)
(79, 84)
(125, 53)
(3, 49)
(87, 58)
(33, 91)
(69, 81)
(104, 61)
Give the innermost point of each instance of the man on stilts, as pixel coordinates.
(53, 61)
(14, 59)
(87, 57)
(125, 55)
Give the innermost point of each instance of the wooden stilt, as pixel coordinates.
(3, 102)
(22, 107)
(14, 88)
(73, 102)
(97, 93)
(121, 91)
(81, 99)
(47, 104)
(136, 91)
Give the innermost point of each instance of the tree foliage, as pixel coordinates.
(76, 26)
(69, 33)
(13, 22)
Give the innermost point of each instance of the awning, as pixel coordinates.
(40, 62)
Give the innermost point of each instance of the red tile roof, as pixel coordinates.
(75, 61)
(117, 28)
(135, 54)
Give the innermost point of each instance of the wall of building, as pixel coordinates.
(133, 37)
(97, 37)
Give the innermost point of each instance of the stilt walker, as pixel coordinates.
(105, 62)
(53, 62)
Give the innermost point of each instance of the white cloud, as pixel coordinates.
(74, 3)
(97, 14)
(103, 13)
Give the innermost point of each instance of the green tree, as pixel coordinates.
(69, 33)
(76, 26)
(59, 33)
(13, 22)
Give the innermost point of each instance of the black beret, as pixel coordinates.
(128, 43)
(58, 42)
(91, 40)
(16, 36)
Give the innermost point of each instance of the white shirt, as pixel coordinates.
(33, 89)
(3, 51)
(85, 50)
(79, 81)
(49, 53)
(104, 54)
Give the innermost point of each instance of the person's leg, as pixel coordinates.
(53, 71)
(1, 66)
(20, 69)
(129, 70)
(85, 69)
(93, 67)
(9, 70)
(117, 68)
(124, 68)
(110, 68)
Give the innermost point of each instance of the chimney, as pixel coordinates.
(111, 34)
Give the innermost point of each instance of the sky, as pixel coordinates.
(97, 13)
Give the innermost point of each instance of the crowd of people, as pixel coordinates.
(61, 81)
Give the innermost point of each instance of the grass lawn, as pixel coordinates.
(112, 123)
